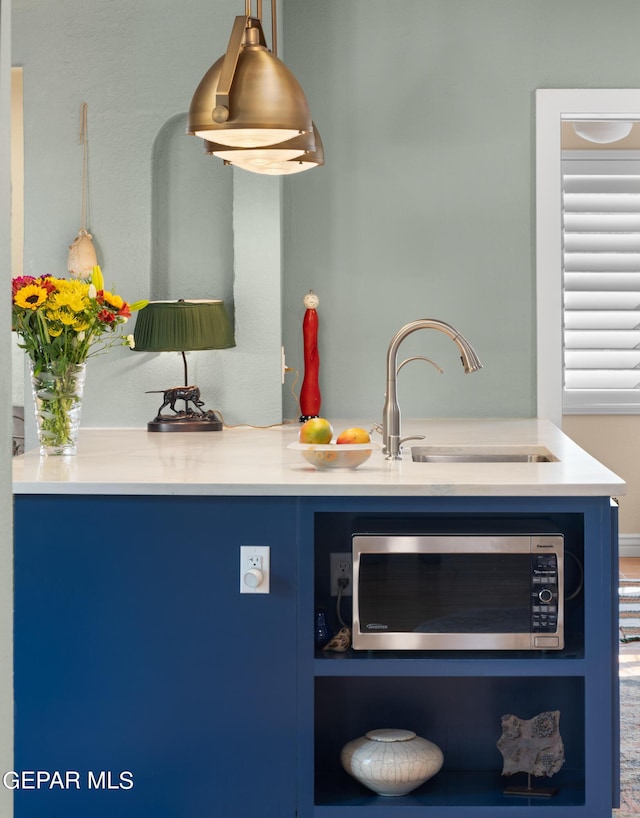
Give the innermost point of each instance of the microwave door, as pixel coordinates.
(451, 598)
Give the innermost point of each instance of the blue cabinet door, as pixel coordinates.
(146, 685)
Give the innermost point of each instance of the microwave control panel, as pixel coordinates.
(544, 593)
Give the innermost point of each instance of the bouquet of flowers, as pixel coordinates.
(66, 321)
(61, 323)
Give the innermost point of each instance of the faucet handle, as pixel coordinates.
(377, 427)
(420, 358)
(413, 437)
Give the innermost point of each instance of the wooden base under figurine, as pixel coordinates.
(531, 792)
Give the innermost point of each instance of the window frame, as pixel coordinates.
(552, 106)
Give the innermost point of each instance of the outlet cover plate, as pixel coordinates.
(255, 565)
(341, 565)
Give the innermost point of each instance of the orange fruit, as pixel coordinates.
(316, 430)
(354, 435)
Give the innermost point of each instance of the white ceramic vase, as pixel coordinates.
(391, 762)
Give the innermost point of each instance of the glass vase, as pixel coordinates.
(57, 395)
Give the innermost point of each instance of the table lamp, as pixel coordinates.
(183, 326)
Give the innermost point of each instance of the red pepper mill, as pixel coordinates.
(310, 391)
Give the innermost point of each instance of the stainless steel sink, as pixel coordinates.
(482, 454)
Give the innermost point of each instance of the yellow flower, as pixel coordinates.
(97, 279)
(81, 324)
(30, 297)
(53, 315)
(55, 331)
(67, 318)
(71, 295)
(112, 300)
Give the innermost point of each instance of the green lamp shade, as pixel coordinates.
(179, 326)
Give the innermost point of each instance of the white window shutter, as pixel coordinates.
(601, 282)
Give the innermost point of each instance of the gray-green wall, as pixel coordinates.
(425, 207)
(167, 221)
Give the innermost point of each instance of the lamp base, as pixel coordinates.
(211, 421)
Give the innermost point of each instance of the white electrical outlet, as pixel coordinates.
(340, 566)
(254, 569)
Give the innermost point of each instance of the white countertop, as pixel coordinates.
(247, 461)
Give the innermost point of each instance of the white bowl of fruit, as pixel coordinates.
(351, 448)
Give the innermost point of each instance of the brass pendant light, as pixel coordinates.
(290, 149)
(301, 153)
(249, 98)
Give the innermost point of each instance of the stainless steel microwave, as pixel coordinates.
(458, 592)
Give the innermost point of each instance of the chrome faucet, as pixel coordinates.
(391, 412)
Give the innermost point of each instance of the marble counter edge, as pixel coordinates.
(250, 462)
(332, 490)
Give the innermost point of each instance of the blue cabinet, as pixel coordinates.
(140, 667)
(457, 699)
(137, 661)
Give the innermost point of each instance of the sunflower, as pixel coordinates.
(30, 297)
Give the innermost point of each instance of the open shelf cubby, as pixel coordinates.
(455, 699)
(462, 716)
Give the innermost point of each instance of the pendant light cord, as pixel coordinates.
(274, 37)
(84, 138)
